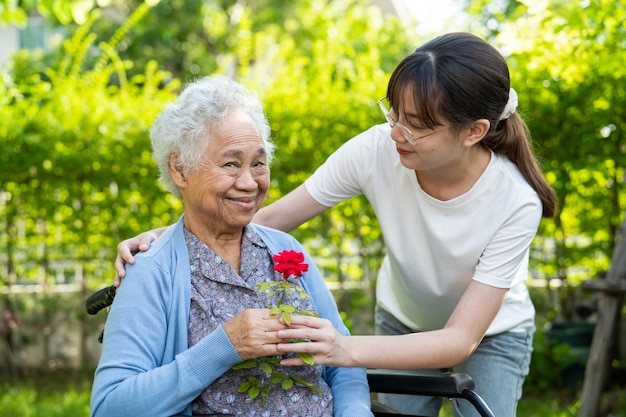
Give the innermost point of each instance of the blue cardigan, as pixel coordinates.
(147, 368)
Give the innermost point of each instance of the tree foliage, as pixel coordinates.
(77, 170)
(63, 11)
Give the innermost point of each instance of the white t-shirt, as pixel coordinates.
(434, 247)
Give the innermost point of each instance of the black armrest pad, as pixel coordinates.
(434, 383)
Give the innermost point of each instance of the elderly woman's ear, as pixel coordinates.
(176, 169)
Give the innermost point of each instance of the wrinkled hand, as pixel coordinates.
(327, 346)
(253, 333)
(125, 251)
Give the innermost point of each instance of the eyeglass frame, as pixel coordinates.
(406, 132)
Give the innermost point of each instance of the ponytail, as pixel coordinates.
(511, 138)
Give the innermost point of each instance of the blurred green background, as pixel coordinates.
(77, 177)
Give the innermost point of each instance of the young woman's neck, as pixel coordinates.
(455, 180)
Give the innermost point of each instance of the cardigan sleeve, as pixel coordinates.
(145, 367)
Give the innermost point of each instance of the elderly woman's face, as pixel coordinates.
(231, 182)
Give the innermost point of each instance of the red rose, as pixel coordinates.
(290, 262)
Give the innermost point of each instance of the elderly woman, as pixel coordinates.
(189, 308)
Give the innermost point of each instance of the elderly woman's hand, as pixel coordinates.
(253, 333)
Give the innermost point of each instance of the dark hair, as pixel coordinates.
(462, 78)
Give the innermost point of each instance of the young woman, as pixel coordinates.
(459, 196)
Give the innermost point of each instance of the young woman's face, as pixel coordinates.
(438, 148)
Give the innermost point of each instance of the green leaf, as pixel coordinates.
(287, 308)
(247, 364)
(274, 310)
(265, 394)
(287, 318)
(271, 359)
(306, 358)
(266, 367)
(286, 384)
(254, 392)
(277, 377)
(302, 293)
(301, 381)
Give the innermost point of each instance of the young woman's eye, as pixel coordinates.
(417, 126)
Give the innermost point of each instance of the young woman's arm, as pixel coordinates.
(290, 211)
(426, 350)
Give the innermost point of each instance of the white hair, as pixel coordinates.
(183, 127)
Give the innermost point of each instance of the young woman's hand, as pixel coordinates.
(325, 343)
(127, 248)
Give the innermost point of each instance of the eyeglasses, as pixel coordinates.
(406, 133)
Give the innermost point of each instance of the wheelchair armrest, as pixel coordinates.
(429, 383)
(432, 383)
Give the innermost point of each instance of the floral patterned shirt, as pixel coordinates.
(218, 294)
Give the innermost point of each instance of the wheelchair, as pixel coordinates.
(429, 383)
